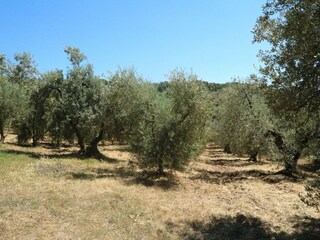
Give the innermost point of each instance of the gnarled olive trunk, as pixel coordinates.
(253, 157)
(79, 137)
(160, 167)
(227, 148)
(81, 144)
(34, 139)
(92, 150)
(291, 164)
(2, 136)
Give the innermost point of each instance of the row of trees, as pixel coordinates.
(247, 120)
(165, 129)
(279, 111)
(276, 113)
(167, 125)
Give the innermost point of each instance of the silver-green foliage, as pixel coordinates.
(11, 105)
(25, 68)
(292, 63)
(175, 124)
(82, 99)
(292, 72)
(57, 126)
(241, 119)
(23, 77)
(124, 103)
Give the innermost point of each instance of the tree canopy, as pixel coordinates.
(292, 63)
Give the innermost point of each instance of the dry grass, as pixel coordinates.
(48, 193)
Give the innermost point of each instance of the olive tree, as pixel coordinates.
(29, 119)
(174, 127)
(57, 125)
(25, 68)
(9, 98)
(82, 99)
(11, 104)
(291, 72)
(241, 119)
(124, 103)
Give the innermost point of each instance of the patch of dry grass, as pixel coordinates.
(47, 194)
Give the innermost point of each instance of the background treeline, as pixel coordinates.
(275, 114)
(212, 87)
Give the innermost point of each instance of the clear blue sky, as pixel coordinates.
(211, 37)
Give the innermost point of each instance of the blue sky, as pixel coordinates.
(211, 37)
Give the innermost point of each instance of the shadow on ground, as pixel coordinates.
(243, 227)
(74, 154)
(310, 167)
(237, 162)
(221, 177)
(130, 176)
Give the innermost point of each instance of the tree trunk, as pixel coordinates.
(291, 166)
(58, 142)
(34, 141)
(92, 150)
(227, 149)
(81, 144)
(34, 138)
(2, 136)
(79, 137)
(160, 167)
(253, 157)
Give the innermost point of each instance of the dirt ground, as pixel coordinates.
(57, 195)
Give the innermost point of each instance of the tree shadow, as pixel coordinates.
(73, 154)
(223, 161)
(312, 167)
(307, 228)
(130, 176)
(238, 162)
(54, 146)
(227, 228)
(220, 157)
(243, 227)
(24, 145)
(217, 177)
(166, 181)
(42, 144)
